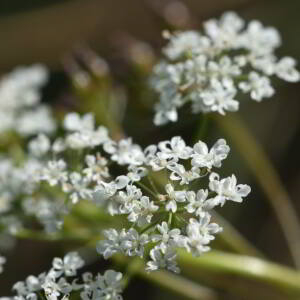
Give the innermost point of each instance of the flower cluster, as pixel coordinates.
(173, 215)
(31, 186)
(208, 69)
(165, 191)
(60, 281)
(21, 196)
(22, 191)
(20, 95)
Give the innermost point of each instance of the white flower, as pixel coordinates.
(133, 244)
(120, 182)
(31, 174)
(200, 233)
(109, 189)
(175, 148)
(124, 152)
(55, 172)
(19, 93)
(58, 145)
(185, 43)
(167, 238)
(54, 289)
(162, 260)
(173, 197)
(219, 97)
(73, 122)
(20, 288)
(127, 242)
(285, 69)
(136, 173)
(7, 121)
(224, 68)
(99, 136)
(112, 245)
(111, 285)
(165, 81)
(179, 173)
(68, 265)
(47, 211)
(21, 86)
(227, 189)
(97, 168)
(158, 160)
(6, 200)
(31, 285)
(2, 262)
(78, 140)
(260, 40)
(127, 200)
(213, 158)
(164, 114)
(83, 133)
(258, 86)
(108, 286)
(142, 211)
(78, 187)
(265, 64)
(40, 145)
(87, 139)
(224, 33)
(34, 121)
(198, 203)
(34, 283)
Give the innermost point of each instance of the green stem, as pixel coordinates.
(266, 175)
(152, 184)
(178, 285)
(170, 219)
(132, 268)
(181, 219)
(202, 128)
(151, 225)
(279, 277)
(146, 189)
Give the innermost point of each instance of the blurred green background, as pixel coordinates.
(47, 31)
